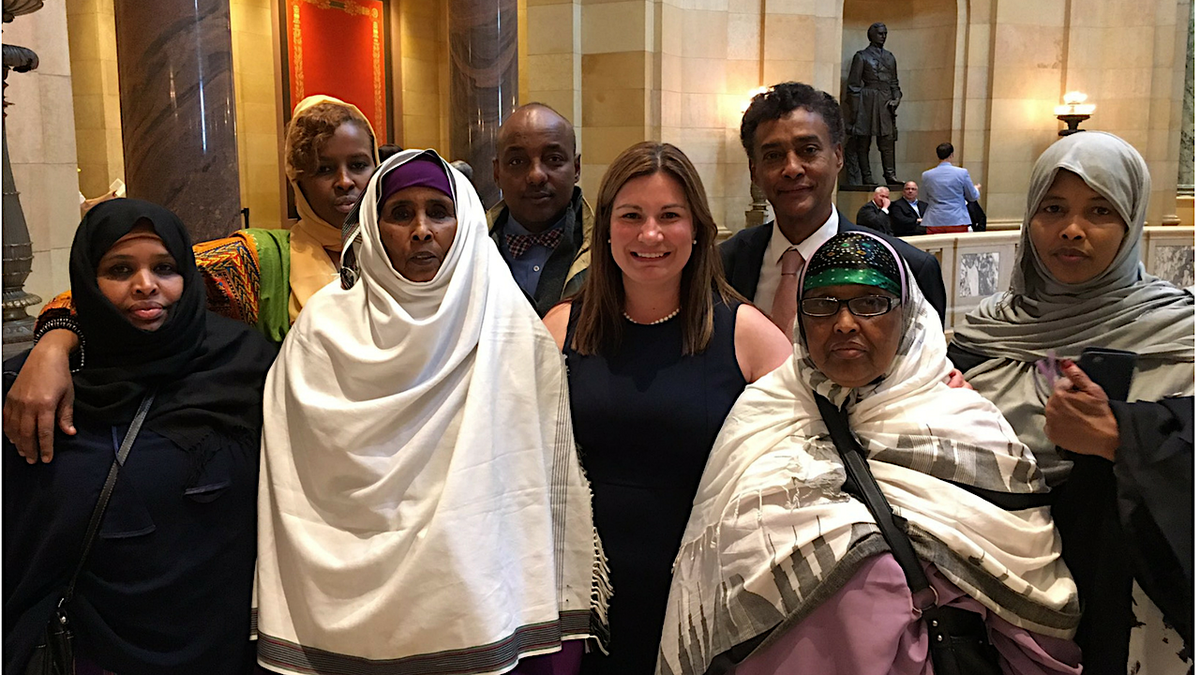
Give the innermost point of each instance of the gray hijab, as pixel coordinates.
(1121, 308)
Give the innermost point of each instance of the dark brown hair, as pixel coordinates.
(602, 299)
(310, 130)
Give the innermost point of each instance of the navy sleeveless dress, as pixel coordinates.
(645, 418)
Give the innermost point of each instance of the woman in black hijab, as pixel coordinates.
(166, 586)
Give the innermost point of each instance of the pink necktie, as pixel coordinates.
(783, 307)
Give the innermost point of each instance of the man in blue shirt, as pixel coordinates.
(543, 224)
(947, 188)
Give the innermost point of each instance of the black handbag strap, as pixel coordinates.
(106, 493)
(866, 489)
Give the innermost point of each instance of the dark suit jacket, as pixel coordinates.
(873, 217)
(978, 217)
(742, 256)
(904, 221)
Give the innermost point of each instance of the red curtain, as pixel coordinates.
(336, 47)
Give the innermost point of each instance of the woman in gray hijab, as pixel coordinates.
(1122, 471)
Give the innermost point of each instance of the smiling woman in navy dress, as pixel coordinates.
(658, 348)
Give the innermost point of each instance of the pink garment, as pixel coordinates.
(868, 628)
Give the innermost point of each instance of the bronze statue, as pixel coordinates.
(873, 92)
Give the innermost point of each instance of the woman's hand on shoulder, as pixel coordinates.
(556, 322)
(42, 394)
(1078, 417)
(759, 345)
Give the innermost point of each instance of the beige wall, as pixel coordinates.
(984, 74)
(421, 74)
(97, 98)
(40, 125)
(621, 80)
(1128, 57)
(550, 67)
(257, 88)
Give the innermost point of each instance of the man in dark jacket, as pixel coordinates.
(542, 225)
(874, 214)
(793, 136)
(908, 213)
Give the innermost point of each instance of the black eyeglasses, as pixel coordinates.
(864, 305)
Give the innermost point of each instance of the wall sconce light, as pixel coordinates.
(1073, 111)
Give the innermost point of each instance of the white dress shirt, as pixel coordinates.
(772, 266)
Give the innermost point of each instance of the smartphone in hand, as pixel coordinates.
(1112, 369)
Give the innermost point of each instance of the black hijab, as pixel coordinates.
(207, 371)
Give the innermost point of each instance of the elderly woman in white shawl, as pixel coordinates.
(421, 506)
(1124, 487)
(783, 571)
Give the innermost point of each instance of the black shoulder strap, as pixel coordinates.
(106, 493)
(866, 489)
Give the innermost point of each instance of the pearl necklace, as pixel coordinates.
(666, 318)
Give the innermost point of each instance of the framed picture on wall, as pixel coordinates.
(339, 48)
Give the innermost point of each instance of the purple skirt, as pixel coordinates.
(868, 628)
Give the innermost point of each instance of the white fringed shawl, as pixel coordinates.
(770, 524)
(421, 505)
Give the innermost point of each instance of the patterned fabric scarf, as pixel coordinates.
(772, 533)
(854, 258)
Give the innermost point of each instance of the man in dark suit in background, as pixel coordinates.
(908, 213)
(793, 137)
(874, 214)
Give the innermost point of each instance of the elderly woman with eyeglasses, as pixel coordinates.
(784, 568)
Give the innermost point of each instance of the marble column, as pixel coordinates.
(175, 66)
(483, 83)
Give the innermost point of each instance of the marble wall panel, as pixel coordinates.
(483, 83)
(178, 111)
(1187, 136)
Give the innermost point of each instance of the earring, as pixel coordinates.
(610, 241)
(694, 241)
